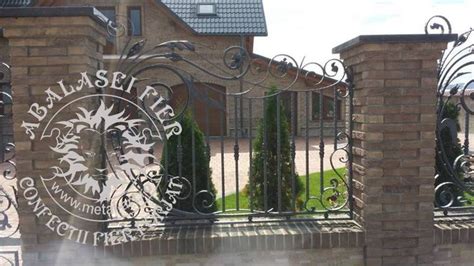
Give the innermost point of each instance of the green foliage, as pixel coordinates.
(452, 151)
(269, 157)
(203, 172)
(314, 183)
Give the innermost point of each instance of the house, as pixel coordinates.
(215, 26)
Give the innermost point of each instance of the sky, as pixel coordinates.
(311, 28)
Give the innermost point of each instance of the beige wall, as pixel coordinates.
(158, 25)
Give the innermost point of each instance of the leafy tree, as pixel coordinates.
(203, 172)
(268, 155)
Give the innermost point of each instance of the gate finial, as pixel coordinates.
(438, 22)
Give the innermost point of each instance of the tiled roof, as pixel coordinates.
(15, 3)
(234, 17)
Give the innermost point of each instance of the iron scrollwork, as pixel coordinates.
(142, 59)
(132, 203)
(454, 178)
(8, 193)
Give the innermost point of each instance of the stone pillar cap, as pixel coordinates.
(396, 38)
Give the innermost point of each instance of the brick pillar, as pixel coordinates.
(46, 45)
(395, 78)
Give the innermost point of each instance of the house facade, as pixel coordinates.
(214, 26)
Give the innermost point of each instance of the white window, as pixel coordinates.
(206, 9)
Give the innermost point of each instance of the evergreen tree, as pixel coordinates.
(202, 169)
(452, 151)
(268, 155)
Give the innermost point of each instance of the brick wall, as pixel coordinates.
(335, 256)
(454, 254)
(43, 51)
(304, 243)
(454, 241)
(395, 81)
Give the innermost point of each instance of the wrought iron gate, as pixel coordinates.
(9, 216)
(454, 189)
(266, 162)
(283, 151)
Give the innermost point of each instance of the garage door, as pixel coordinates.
(208, 100)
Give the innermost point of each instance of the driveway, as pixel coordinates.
(227, 172)
(229, 167)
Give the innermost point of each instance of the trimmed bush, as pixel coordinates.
(268, 156)
(202, 168)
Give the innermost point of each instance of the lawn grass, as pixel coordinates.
(469, 199)
(314, 190)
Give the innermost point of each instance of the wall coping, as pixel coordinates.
(89, 11)
(395, 38)
(232, 238)
(453, 230)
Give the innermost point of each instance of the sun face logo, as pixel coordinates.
(101, 166)
(99, 149)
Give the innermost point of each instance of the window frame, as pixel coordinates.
(337, 106)
(129, 19)
(214, 14)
